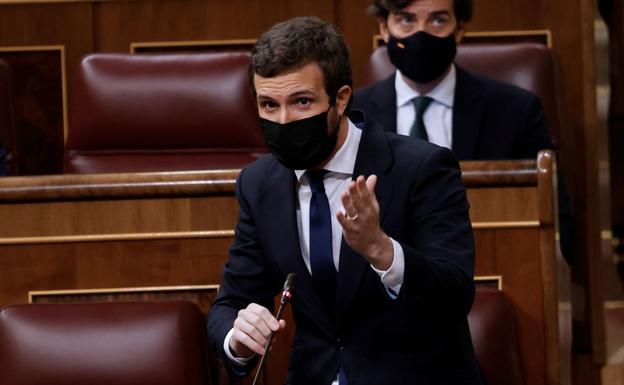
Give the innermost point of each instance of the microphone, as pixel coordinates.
(289, 286)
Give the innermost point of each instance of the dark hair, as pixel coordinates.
(382, 8)
(297, 42)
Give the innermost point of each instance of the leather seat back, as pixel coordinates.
(131, 343)
(494, 337)
(162, 112)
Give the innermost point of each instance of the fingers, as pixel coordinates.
(359, 196)
(371, 182)
(252, 329)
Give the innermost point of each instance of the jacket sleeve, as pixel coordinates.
(243, 281)
(439, 251)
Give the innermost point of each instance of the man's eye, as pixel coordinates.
(303, 101)
(406, 19)
(440, 20)
(268, 105)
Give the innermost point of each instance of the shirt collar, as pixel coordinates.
(443, 93)
(343, 161)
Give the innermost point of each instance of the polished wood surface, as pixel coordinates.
(97, 186)
(50, 250)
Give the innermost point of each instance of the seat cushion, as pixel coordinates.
(494, 336)
(147, 343)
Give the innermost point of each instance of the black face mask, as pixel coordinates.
(422, 57)
(300, 144)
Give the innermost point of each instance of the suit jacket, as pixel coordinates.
(491, 120)
(422, 336)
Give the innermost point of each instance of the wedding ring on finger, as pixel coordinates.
(352, 217)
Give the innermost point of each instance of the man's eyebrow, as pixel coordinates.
(406, 14)
(297, 94)
(302, 93)
(440, 13)
(265, 97)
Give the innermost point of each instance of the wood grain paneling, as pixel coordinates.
(201, 20)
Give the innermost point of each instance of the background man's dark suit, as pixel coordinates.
(491, 120)
(421, 337)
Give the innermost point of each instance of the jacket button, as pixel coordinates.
(339, 344)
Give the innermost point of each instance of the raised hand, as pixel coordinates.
(360, 223)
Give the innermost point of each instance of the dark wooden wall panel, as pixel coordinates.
(196, 20)
(37, 76)
(38, 105)
(116, 264)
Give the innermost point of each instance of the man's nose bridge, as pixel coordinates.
(421, 25)
(284, 115)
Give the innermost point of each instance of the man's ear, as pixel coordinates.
(460, 31)
(342, 99)
(383, 29)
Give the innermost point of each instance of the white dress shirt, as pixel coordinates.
(438, 116)
(340, 168)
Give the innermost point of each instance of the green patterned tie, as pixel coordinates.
(418, 129)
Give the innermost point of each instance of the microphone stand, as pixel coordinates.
(286, 296)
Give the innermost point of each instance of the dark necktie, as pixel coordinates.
(321, 256)
(418, 129)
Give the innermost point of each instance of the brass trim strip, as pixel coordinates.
(376, 40)
(530, 32)
(506, 225)
(117, 237)
(189, 43)
(35, 48)
(610, 305)
(486, 278)
(27, 48)
(147, 289)
(606, 235)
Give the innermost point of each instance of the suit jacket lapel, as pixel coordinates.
(374, 157)
(281, 210)
(467, 114)
(383, 105)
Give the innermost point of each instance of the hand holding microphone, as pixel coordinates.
(255, 325)
(286, 296)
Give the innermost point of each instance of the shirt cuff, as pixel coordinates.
(235, 360)
(393, 277)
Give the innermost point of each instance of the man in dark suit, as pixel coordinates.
(432, 98)
(375, 226)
